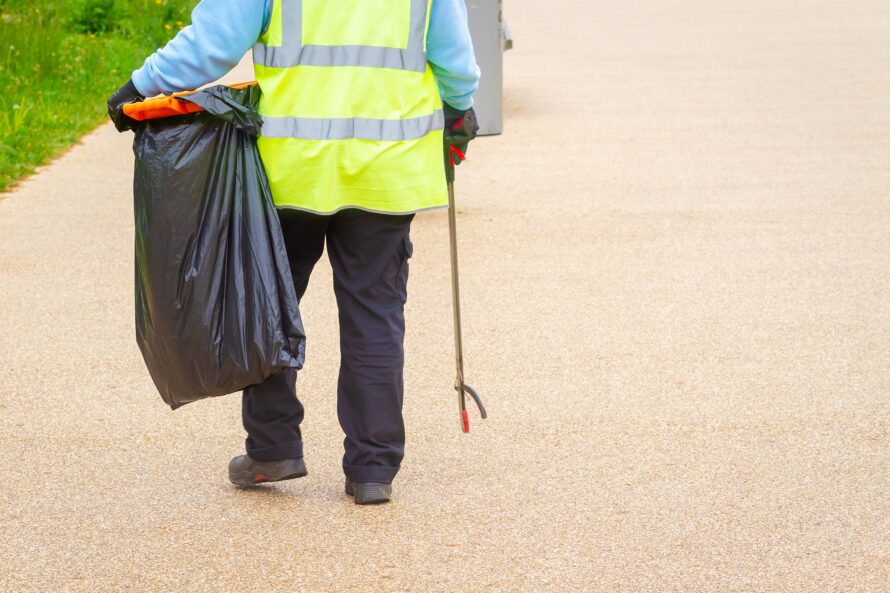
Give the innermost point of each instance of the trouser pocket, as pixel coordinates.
(406, 250)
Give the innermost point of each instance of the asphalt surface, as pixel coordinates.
(676, 268)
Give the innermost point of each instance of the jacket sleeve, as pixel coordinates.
(220, 34)
(449, 51)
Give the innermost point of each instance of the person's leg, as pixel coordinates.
(369, 256)
(271, 411)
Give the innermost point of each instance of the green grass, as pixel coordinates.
(59, 63)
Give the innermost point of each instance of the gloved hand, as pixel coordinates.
(126, 94)
(460, 128)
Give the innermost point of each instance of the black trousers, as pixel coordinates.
(369, 256)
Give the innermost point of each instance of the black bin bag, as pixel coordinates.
(216, 309)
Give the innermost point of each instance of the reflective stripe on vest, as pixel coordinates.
(313, 128)
(292, 52)
(351, 111)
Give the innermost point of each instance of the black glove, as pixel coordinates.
(460, 128)
(126, 94)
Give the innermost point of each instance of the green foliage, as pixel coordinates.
(95, 16)
(60, 61)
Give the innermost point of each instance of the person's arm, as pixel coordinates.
(220, 34)
(449, 51)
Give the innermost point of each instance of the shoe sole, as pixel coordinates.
(373, 501)
(246, 479)
(255, 478)
(350, 491)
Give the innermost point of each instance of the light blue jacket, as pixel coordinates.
(223, 30)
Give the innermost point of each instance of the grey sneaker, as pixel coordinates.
(245, 471)
(369, 492)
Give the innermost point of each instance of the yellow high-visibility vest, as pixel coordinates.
(351, 110)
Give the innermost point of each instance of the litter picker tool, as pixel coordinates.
(460, 134)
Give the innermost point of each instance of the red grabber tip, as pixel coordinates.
(466, 420)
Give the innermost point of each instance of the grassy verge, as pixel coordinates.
(59, 62)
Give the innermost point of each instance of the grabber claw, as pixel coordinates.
(462, 391)
(476, 399)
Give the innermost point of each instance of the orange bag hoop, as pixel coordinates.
(168, 106)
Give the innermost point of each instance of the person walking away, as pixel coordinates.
(355, 97)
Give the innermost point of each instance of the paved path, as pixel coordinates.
(676, 273)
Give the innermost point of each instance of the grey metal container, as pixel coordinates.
(490, 39)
